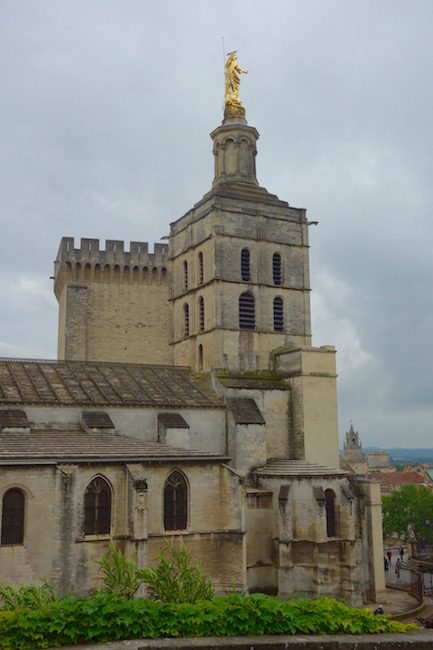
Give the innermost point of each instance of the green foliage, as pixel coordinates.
(174, 580)
(27, 596)
(105, 618)
(408, 513)
(118, 575)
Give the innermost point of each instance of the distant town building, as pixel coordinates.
(379, 460)
(391, 481)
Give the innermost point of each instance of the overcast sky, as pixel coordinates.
(105, 111)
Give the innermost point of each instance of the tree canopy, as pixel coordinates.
(408, 513)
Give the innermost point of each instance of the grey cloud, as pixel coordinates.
(105, 113)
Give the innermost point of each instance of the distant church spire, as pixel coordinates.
(353, 446)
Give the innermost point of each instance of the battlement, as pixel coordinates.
(114, 252)
(91, 263)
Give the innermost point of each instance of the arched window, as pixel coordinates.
(13, 517)
(186, 320)
(247, 311)
(278, 314)
(276, 268)
(185, 276)
(201, 314)
(245, 264)
(175, 502)
(330, 513)
(200, 269)
(97, 507)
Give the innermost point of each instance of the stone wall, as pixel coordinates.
(54, 495)
(113, 304)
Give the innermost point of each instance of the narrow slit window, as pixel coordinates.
(278, 314)
(247, 311)
(200, 269)
(175, 502)
(330, 513)
(97, 508)
(201, 313)
(276, 268)
(245, 265)
(200, 357)
(12, 531)
(185, 276)
(186, 320)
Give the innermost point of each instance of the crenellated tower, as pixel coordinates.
(113, 304)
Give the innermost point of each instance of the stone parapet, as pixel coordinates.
(419, 640)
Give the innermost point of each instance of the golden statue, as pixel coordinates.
(233, 70)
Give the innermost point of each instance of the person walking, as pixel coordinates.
(398, 567)
(389, 555)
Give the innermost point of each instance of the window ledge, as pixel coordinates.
(93, 538)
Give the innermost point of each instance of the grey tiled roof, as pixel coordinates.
(97, 420)
(172, 421)
(244, 410)
(96, 383)
(71, 446)
(255, 380)
(296, 468)
(13, 418)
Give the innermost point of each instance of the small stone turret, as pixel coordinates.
(234, 150)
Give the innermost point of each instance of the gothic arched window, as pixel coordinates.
(278, 314)
(245, 265)
(97, 507)
(276, 268)
(186, 320)
(201, 314)
(330, 513)
(247, 311)
(175, 502)
(200, 269)
(12, 531)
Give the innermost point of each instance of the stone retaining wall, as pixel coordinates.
(418, 640)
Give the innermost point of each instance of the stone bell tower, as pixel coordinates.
(239, 264)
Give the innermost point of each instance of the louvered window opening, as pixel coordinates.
(278, 315)
(97, 508)
(175, 502)
(247, 311)
(201, 314)
(245, 265)
(186, 320)
(12, 531)
(185, 276)
(276, 268)
(200, 269)
(330, 513)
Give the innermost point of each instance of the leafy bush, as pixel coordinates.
(27, 596)
(104, 618)
(118, 575)
(174, 580)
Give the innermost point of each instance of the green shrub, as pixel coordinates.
(118, 575)
(105, 618)
(27, 596)
(174, 580)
